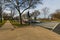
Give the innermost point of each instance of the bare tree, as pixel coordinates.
(45, 11)
(12, 14)
(5, 16)
(24, 5)
(30, 15)
(56, 15)
(35, 14)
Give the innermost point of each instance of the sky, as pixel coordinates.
(53, 5)
(7, 10)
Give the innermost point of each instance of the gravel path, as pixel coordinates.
(7, 26)
(28, 33)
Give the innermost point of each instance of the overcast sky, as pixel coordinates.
(51, 4)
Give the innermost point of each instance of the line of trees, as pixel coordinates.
(56, 15)
(25, 5)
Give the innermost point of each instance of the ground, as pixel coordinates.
(26, 33)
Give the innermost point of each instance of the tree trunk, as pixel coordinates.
(34, 18)
(20, 18)
(1, 14)
(28, 15)
(1, 18)
(18, 8)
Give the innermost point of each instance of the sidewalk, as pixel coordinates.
(27, 33)
(7, 25)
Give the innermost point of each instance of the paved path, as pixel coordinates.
(27, 33)
(7, 25)
(50, 25)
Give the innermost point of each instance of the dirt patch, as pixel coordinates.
(29, 33)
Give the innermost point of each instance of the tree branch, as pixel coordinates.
(27, 8)
(22, 3)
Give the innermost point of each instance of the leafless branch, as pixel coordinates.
(27, 8)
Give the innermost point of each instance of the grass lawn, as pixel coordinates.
(15, 23)
(45, 20)
(1, 23)
(58, 20)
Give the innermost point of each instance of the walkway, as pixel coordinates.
(27, 33)
(7, 26)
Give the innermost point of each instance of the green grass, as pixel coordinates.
(45, 20)
(15, 23)
(58, 20)
(1, 23)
